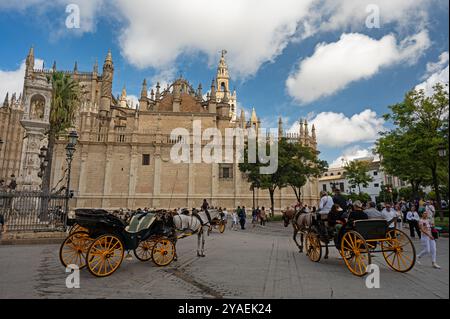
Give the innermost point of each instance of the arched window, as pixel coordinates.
(223, 87)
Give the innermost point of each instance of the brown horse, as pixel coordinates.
(302, 222)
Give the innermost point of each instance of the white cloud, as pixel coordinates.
(353, 153)
(337, 130)
(12, 81)
(437, 72)
(89, 11)
(164, 77)
(333, 66)
(332, 15)
(433, 67)
(155, 33)
(132, 101)
(253, 31)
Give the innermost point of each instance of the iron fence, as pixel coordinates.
(33, 211)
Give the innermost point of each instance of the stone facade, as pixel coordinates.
(123, 154)
(12, 134)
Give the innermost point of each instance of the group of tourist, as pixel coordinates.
(418, 215)
(239, 216)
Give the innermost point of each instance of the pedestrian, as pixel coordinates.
(428, 241)
(263, 217)
(404, 208)
(234, 218)
(254, 217)
(372, 212)
(412, 217)
(242, 217)
(399, 213)
(390, 215)
(429, 208)
(2, 225)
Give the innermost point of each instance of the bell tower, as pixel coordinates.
(223, 86)
(223, 77)
(106, 88)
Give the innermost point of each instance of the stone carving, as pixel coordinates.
(37, 109)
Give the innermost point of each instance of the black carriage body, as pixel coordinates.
(99, 222)
(369, 229)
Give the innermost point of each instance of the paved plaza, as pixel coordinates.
(255, 263)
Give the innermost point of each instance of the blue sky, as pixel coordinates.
(343, 75)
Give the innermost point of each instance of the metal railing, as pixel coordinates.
(24, 211)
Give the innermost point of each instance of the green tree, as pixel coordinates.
(396, 148)
(66, 95)
(299, 164)
(258, 180)
(421, 129)
(356, 174)
(296, 164)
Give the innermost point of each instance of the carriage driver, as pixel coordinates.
(325, 204)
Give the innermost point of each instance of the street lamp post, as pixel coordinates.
(70, 150)
(442, 152)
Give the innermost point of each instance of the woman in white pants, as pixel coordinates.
(427, 239)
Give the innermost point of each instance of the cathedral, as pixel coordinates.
(122, 158)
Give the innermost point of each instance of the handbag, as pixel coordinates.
(435, 232)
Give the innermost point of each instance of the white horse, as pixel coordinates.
(196, 223)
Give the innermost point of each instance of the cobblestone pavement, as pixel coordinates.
(254, 263)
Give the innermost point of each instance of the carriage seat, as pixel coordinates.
(139, 223)
(371, 228)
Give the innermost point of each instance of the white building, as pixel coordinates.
(335, 178)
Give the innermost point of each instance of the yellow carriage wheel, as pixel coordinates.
(77, 228)
(313, 246)
(356, 253)
(222, 228)
(163, 252)
(399, 251)
(144, 250)
(105, 255)
(74, 248)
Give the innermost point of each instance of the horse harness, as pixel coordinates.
(200, 219)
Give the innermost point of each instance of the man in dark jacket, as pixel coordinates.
(242, 217)
(339, 199)
(356, 214)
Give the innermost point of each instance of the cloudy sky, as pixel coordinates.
(339, 64)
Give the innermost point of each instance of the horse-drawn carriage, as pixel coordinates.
(99, 239)
(219, 223)
(356, 243)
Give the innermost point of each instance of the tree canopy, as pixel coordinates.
(356, 173)
(411, 149)
(296, 165)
